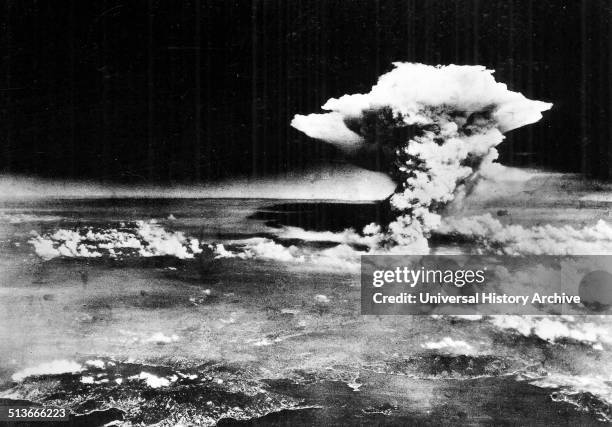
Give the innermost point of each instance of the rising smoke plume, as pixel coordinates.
(431, 129)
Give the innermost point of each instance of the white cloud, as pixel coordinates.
(143, 238)
(461, 113)
(539, 240)
(55, 367)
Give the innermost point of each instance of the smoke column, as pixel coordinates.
(432, 129)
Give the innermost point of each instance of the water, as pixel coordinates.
(170, 339)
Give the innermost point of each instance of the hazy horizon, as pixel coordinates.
(347, 183)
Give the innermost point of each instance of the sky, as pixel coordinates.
(161, 92)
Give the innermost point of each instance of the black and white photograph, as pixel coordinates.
(305, 212)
